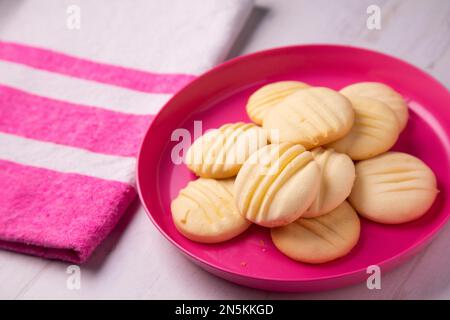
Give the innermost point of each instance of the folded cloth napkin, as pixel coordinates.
(79, 83)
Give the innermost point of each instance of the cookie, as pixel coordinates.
(277, 184)
(375, 130)
(321, 239)
(393, 188)
(268, 96)
(336, 181)
(383, 93)
(220, 153)
(310, 117)
(204, 211)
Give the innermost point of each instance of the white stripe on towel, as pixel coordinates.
(90, 93)
(66, 159)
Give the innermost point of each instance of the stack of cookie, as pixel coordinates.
(309, 150)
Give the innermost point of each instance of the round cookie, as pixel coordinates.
(321, 239)
(375, 130)
(268, 96)
(277, 184)
(311, 117)
(383, 93)
(393, 188)
(220, 153)
(336, 181)
(204, 211)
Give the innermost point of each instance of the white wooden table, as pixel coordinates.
(137, 262)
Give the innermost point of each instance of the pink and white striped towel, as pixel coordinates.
(75, 103)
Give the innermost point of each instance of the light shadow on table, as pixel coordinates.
(7, 9)
(102, 253)
(257, 15)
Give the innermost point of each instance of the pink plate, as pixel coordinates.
(219, 96)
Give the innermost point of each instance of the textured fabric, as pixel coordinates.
(75, 104)
(99, 72)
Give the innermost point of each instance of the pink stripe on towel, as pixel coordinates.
(90, 128)
(57, 215)
(85, 69)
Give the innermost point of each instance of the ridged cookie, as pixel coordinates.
(393, 188)
(277, 184)
(383, 93)
(311, 117)
(336, 181)
(268, 96)
(204, 211)
(321, 239)
(220, 153)
(375, 130)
